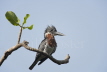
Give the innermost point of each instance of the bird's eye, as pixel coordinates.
(51, 30)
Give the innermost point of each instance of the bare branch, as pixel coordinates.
(20, 33)
(66, 60)
(8, 52)
(25, 44)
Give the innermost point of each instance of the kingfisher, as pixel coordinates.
(48, 45)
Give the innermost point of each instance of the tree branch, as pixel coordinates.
(25, 44)
(8, 52)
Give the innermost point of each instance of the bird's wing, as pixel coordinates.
(41, 47)
(38, 55)
(42, 60)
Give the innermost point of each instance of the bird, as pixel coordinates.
(48, 45)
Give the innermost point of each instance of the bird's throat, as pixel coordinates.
(51, 40)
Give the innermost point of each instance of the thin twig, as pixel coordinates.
(20, 33)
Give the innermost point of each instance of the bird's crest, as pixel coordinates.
(50, 29)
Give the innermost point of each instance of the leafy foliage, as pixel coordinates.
(30, 27)
(12, 18)
(25, 18)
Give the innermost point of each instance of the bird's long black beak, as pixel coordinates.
(60, 34)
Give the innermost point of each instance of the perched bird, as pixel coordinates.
(48, 45)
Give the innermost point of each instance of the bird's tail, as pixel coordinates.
(33, 64)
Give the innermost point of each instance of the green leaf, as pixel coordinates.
(25, 18)
(12, 18)
(25, 27)
(31, 27)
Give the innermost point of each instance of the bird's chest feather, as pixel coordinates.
(50, 44)
(51, 40)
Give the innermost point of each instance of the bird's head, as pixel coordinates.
(51, 30)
